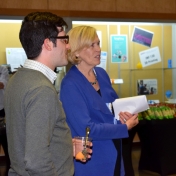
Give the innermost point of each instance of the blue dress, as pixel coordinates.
(84, 107)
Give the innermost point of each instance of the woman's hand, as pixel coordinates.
(129, 119)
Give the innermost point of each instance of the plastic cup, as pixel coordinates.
(81, 144)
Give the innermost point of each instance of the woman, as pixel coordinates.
(87, 96)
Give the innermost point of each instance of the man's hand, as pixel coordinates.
(80, 156)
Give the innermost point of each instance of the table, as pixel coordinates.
(158, 146)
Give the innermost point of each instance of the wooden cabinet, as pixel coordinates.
(128, 9)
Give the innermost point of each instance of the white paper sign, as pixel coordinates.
(99, 33)
(132, 105)
(150, 56)
(15, 57)
(103, 60)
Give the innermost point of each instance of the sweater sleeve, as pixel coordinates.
(40, 121)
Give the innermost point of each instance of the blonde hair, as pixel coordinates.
(80, 37)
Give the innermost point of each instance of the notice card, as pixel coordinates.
(150, 56)
(132, 105)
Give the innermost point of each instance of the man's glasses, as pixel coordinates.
(65, 38)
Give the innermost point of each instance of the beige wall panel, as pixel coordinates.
(167, 42)
(127, 87)
(113, 67)
(24, 4)
(155, 6)
(9, 38)
(83, 5)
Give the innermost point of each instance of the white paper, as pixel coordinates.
(15, 57)
(103, 60)
(132, 105)
(150, 56)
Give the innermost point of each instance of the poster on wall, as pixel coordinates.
(150, 56)
(103, 60)
(99, 33)
(142, 36)
(119, 50)
(147, 86)
(15, 58)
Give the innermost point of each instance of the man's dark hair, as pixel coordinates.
(35, 28)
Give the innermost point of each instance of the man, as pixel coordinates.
(39, 140)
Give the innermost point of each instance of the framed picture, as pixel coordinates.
(147, 86)
(142, 36)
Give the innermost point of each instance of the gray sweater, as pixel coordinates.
(39, 140)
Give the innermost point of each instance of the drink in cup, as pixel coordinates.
(81, 144)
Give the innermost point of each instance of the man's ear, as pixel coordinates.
(48, 44)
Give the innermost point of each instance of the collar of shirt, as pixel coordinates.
(35, 65)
